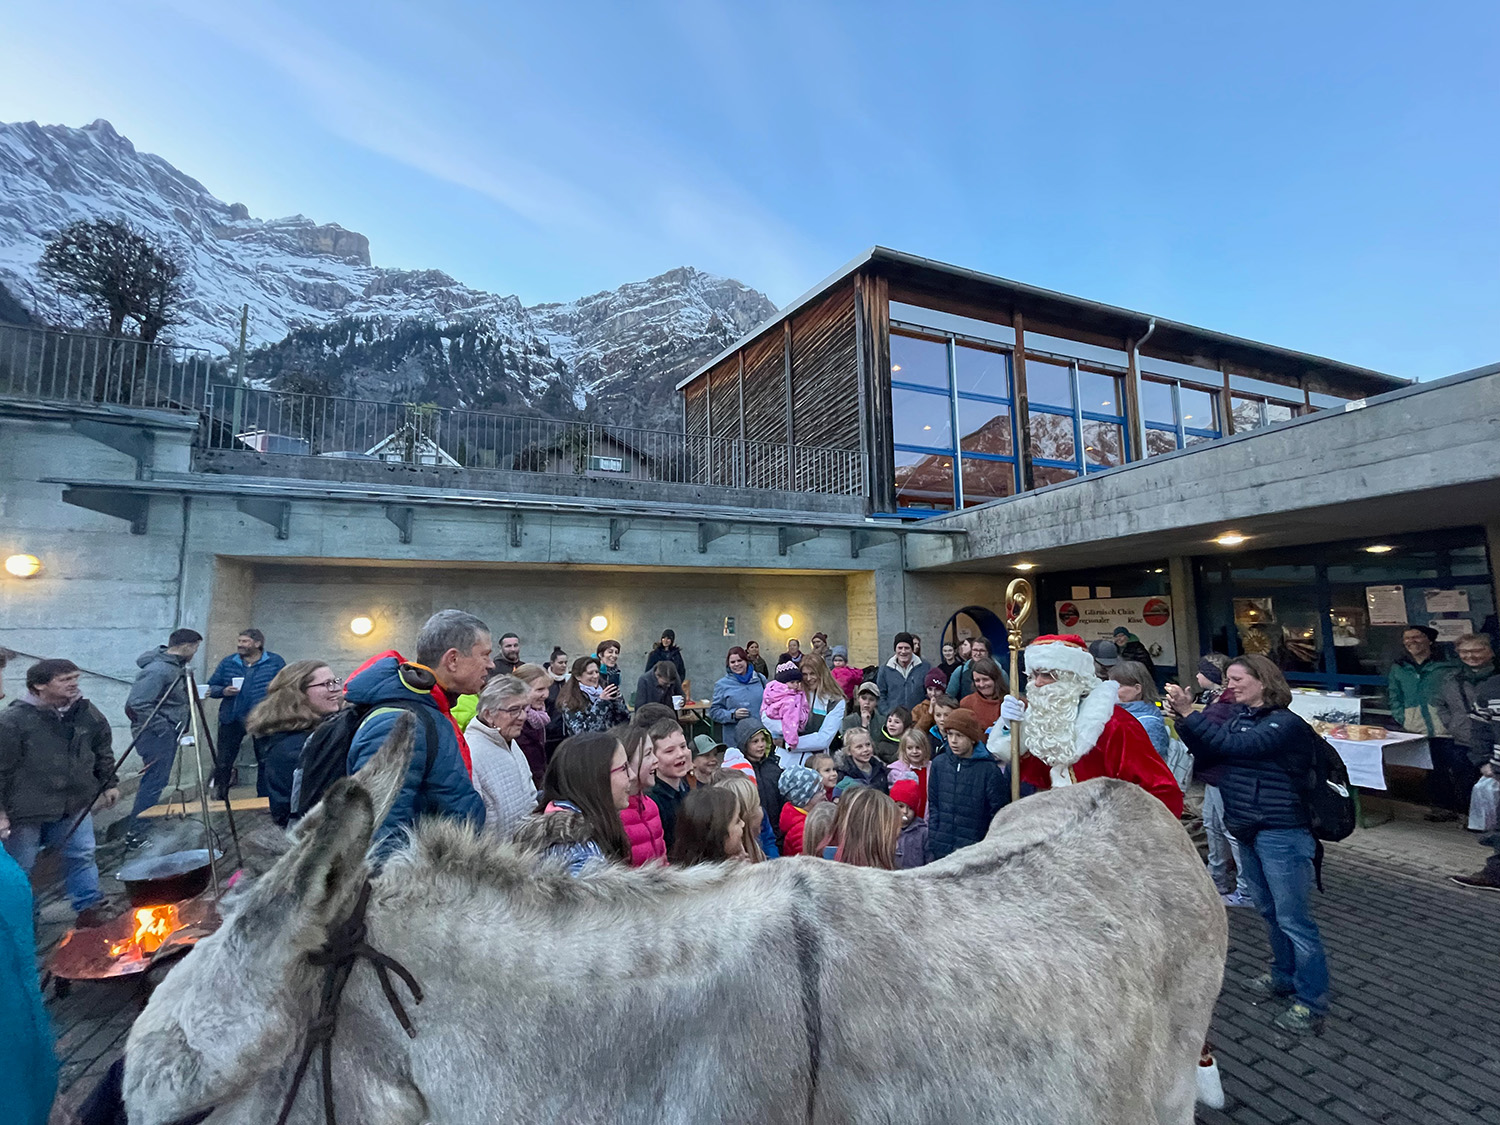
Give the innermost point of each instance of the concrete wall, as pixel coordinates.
(305, 610)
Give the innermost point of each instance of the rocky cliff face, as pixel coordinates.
(323, 317)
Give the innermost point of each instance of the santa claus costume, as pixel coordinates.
(1075, 729)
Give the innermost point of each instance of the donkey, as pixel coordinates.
(1062, 970)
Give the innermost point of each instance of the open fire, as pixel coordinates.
(153, 925)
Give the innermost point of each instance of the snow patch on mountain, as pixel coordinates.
(312, 291)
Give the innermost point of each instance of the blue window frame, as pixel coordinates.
(1177, 414)
(1077, 419)
(953, 423)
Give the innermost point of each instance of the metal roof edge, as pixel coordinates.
(878, 253)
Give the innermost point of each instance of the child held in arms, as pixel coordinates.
(785, 701)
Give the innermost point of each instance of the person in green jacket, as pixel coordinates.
(1415, 682)
(1413, 689)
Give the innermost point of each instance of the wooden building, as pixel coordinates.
(960, 388)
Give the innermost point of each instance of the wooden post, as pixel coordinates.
(1135, 423)
(1019, 601)
(1022, 409)
(1228, 427)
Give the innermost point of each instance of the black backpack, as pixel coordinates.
(325, 755)
(1326, 793)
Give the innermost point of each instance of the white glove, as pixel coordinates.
(1012, 709)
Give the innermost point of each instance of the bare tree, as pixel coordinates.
(119, 273)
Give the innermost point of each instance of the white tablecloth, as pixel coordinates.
(1365, 760)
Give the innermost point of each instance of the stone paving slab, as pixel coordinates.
(1412, 1038)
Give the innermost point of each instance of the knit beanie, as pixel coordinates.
(787, 671)
(1210, 671)
(839, 650)
(799, 785)
(937, 678)
(907, 793)
(964, 721)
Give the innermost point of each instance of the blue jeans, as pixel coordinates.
(1279, 869)
(81, 874)
(158, 749)
(1221, 845)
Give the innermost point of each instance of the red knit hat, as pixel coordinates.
(907, 793)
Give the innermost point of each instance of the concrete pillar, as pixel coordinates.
(890, 607)
(1492, 545)
(1184, 615)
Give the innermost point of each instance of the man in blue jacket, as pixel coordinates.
(452, 659)
(255, 668)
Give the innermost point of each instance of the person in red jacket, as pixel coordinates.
(802, 788)
(640, 816)
(1075, 729)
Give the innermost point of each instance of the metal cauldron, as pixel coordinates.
(160, 879)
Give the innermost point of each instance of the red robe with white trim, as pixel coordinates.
(1123, 750)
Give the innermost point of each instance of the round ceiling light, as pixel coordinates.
(362, 626)
(1380, 549)
(784, 621)
(1230, 539)
(598, 623)
(23, 566)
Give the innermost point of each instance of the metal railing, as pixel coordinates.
(81, 367)
(288, 422)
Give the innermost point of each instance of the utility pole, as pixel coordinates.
(239, 388)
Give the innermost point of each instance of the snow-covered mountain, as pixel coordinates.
(322, 315)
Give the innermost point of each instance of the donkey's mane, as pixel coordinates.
(443, 849)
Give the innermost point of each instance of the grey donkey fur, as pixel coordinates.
(1063, 971)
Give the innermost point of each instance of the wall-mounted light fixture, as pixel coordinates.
(1230, 539)
(784, 621)
(23, 566)
(362, 626)
(598, 623)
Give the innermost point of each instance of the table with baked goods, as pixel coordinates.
(1367, 754)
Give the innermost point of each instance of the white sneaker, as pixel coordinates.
(1210, 1085)
(1235, 898)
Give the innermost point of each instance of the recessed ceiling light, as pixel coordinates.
(1380, 549)
(1230, 539)
(895, 367)
(927, 427)
(1025, 566)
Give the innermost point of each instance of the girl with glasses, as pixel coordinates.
(299, 697)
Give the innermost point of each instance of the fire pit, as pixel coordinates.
(135, 941)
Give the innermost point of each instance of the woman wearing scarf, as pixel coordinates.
(587, 705)
(737, 695)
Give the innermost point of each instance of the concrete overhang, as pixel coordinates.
(1416, 459)
(281, 490)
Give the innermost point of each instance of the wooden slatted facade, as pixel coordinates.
(825, 391)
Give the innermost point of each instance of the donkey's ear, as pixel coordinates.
(325, 868)
(385, 773)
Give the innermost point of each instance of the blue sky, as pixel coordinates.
(1323, 176)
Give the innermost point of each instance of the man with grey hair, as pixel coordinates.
(453, 659)
(502, 774)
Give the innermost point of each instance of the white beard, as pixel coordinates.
(1064, 720)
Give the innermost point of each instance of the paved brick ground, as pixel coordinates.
(1413, 1036)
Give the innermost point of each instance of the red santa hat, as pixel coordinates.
(1058, 653)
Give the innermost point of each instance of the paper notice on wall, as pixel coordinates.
(1096, 619)
(1446, 601)
(1449, 629)
(1386, 604)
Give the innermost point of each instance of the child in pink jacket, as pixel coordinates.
(785, 701)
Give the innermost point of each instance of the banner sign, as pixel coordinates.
(1096, 619)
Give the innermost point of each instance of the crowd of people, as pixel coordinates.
(894, 765)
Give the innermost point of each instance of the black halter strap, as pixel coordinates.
(345, 946)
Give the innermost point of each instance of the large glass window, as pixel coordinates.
(1251, 413)
(924, 400)
(1177, 414)
(1077, 420)
(1308, 608)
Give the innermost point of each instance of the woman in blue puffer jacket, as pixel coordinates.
(1261, 753)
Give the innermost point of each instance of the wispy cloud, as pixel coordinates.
(635, 197)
